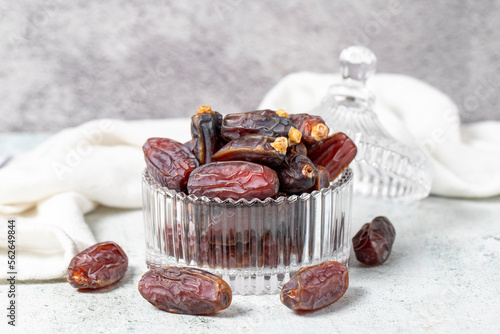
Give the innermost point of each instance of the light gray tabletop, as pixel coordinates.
(442, 276)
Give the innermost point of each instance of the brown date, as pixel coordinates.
(299, 148)
(190, 145)
(185, 290)
(269, 112)
(251, 123)
(373, 242)
(233, 179)
(261, 251)
(250, 249)
(335, 153)
(313, 128)
(237, 256)
(226, 227)
(169, 162)
(260, 149)
(314, 287)
(297, 174)
(270, 252)
(98, 266)
(205, 131)
(322, 180)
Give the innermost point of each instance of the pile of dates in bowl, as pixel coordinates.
(252, 197)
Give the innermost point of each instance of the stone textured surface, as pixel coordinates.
(66, 62)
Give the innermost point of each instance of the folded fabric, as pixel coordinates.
(50, 189)
(465, 157)
(50, 235)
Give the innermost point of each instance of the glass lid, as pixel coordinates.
(384, 167)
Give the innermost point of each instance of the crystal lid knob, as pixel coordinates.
(357, 63)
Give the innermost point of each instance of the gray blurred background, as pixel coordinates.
(64, 62)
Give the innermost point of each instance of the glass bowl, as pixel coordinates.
(254, 245)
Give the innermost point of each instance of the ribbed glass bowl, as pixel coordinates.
(254, 245)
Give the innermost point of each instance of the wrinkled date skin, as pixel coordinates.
(373, 242)
(169, 162)
(334, 153)
(299, 148)
(185, 290)
(247, 124)
(233, 179)
(313, 128)
(98, 266)
(269, 112)
(260, 149)
(205, 131)
(314, 287)
(297, 174)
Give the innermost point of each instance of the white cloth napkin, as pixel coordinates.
(465, 157)
(50, 189)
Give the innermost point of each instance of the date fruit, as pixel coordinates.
(297, 174)
(233, 179)
(185, 290)
(373, 242)
(251, 123)
(299, 148)
(190, 145)
(314, 287)
(322, 180)
(169, 162)
(269, 112)
(313, 128)
(205, 131)
(260, 149)
(334, 153)
(98, 266)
